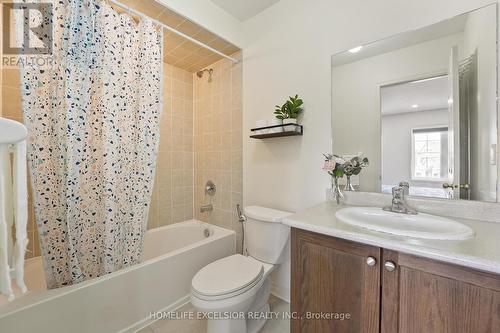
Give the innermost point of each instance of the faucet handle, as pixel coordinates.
(397, 192)
(405, 186)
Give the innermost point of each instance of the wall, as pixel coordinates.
(288, 50)
(479, 35)
(292, 55)
(396, 140)
(172, 199)
(356, 89)
(218, 145)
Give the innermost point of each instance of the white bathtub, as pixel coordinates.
(122, 301)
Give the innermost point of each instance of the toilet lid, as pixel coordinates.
(227, 275)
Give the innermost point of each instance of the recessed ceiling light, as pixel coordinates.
(356, 49)
(450, 101)
(414, 106)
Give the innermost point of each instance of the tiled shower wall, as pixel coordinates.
(172, 199)
(218, 144)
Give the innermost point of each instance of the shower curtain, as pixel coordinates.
(93, 120)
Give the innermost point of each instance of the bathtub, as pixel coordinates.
(125, 300)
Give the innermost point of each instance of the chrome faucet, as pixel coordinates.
(399, 204)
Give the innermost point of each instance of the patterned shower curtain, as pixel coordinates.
(93, 120)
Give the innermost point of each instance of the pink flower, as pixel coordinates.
(329, 166)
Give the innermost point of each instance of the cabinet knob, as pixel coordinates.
(390, 266)
(371, 261)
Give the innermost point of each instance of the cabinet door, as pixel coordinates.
(331, 277)
(423, 295)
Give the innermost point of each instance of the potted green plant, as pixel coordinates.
(289, 112)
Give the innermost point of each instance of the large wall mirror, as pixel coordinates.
(422, 106)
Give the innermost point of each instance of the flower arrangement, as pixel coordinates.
(354, 167)
(337, 167)
(334, 165)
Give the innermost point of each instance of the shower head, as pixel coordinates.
(209, 71)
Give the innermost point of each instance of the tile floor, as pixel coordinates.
(200, 326)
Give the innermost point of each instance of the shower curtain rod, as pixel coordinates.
(191, 39)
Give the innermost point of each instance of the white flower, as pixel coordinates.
(339, 160)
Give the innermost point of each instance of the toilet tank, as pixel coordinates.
(265, 235)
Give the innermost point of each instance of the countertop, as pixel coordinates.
(480, 252)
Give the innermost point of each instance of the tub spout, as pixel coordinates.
(206, 208)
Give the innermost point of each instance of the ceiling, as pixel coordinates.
(445, 28)
(244, 9)
(427, 94)
(178, 51)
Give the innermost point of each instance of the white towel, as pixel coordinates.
(5, 232)
(13, 208)
(13, 205)
(20, 213)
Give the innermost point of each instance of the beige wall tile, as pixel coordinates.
(10, 78)
(11, 102)
(153, 219)
(218, 144)
(37, 251)
(178, 213)
(165, 215)
(176, 152)
(236, 182)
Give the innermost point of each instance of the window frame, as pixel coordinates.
(412, 150)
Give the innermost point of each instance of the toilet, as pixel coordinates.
(231, 290)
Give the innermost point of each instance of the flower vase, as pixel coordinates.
(348, 185)
(337, 193)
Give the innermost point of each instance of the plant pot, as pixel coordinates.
(275, 122)
(290, 128)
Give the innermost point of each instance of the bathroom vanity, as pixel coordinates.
(422, 107)
(349, 279)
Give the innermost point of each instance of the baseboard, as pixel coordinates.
(148, 320)
(280, 292)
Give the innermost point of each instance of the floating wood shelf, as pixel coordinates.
(265, 132)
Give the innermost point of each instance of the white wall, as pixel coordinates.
(396, 140)
(356, 89)
(480, 36)
(287, 51)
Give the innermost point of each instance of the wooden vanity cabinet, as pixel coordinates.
(394, 293)
(424, 295)
(331, 276)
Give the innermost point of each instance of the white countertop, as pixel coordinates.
(480, 252)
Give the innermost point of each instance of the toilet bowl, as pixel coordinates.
(233, 292)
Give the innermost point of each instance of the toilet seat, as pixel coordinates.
(227, 277)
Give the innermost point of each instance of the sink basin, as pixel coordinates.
(422, 226)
